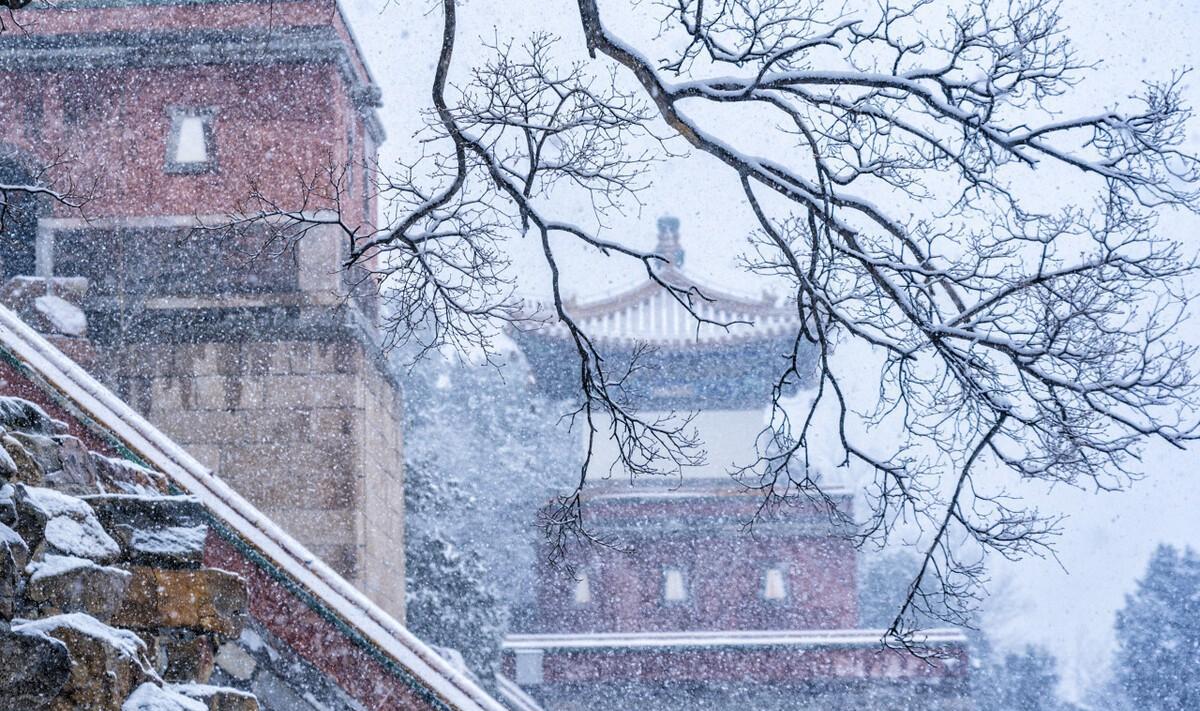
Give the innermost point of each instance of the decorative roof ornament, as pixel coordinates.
(668, 246)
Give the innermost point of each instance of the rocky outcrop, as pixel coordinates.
(206, 600)
(104, 600)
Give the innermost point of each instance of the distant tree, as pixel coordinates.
(450, 602)
(482, 455)
(1158, 634)
(1016, 681)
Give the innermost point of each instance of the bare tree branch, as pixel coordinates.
(1010, 338)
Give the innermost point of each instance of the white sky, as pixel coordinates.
(1108, 537)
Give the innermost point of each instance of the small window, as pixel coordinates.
(529, 666)
(774, 587)
(583, 590)
(674, 589)
(190, 147)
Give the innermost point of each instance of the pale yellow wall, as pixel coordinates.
(308, 432)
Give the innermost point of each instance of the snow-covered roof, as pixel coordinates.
(337, 596)
(648, 313)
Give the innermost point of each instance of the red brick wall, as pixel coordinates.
(724, 568)
(272, 125)
(275, 124)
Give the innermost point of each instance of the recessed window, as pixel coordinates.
(774, 585)
(674, 589)
(190, 146)
(583, 590)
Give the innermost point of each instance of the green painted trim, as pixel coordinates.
(255, 556)
(250, 552)
(69, 405)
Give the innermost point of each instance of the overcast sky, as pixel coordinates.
(1108, 537)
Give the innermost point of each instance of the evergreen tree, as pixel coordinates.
(451, 604)
(1017, 681)
(482, 455)
(1158, 634)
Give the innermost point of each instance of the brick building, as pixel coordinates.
(704, 614)
(172, 113)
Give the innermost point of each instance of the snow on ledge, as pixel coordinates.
(804, 639)
(381, 629)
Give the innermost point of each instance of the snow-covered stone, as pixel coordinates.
(62, 316)
(158, 530)
(82, 537)
(75, 655)
(27, 471)
(66, 524)
(127, 477)
(151, 697)
(33, 669)
(8, 467)
(25, 416)
(8, 505)
(181, 546)
(77, 472)
(107, 664)
(43, 449)
(217, 698)
(59, 584)
(13, 554)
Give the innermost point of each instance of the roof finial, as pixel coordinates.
(668, 242)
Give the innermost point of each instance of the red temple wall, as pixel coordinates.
(274, 127)
(724, 568)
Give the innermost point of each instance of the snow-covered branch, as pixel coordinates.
(889, 174)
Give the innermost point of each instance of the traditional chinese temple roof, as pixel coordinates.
(698, 364)
(647, 313)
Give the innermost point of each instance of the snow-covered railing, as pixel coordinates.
(341, 598)
(515, 696)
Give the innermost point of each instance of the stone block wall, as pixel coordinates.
(265, 370)
(105, 603)
(308, 431)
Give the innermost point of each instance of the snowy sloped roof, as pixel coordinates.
(362, 619)
(647, 313)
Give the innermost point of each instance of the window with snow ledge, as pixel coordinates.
(583, 589)
(775, 584)
(190, 144)
(674, 587)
